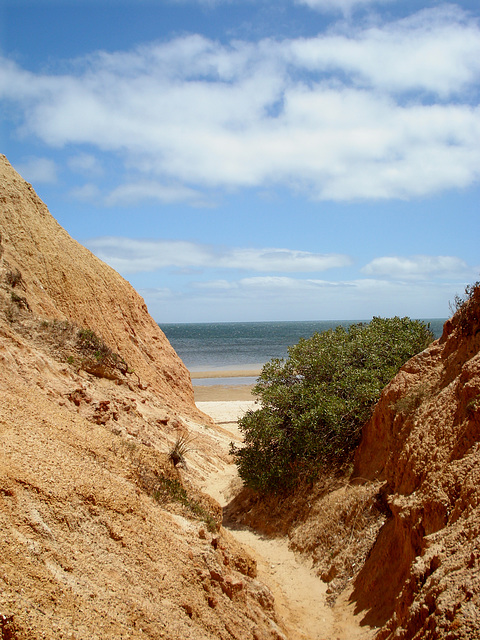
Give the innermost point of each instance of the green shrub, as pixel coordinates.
(315, 403)
(96, 352)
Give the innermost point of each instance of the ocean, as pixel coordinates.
(237, 346)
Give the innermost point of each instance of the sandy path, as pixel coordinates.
(299, 593)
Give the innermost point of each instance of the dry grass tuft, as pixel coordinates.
(183, 445)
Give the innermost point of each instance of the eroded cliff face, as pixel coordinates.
(60, 279)
(101, 536)
(422, 578)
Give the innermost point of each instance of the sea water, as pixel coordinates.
(237, 346)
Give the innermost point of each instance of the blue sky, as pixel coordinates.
(255, 159)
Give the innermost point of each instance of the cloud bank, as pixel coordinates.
(389, 111)
(244, 283)
(418, 267)
(344, 6)
(132, 256)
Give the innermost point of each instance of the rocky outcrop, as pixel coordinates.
(101, 535)
(56, 278)
(422, 577)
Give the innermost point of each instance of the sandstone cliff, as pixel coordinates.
(101, 536)
(422, 578)
(60, 279)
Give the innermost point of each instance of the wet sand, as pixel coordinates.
(226, 373)
(224, 392)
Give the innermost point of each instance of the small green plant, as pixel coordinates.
(169, 489)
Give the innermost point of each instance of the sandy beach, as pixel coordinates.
(224, 391)
(227, 373)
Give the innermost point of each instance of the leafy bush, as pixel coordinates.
(315, 403)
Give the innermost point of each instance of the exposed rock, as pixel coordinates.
(101, 536)
(56, 278)
(422, 578)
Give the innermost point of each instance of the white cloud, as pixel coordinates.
(132, 193)
(287, 298)
(86, 164)
(336, 6)
(131, 256)
(87, 193)
(383, 112)
(434, 51)
(38, 170)
(419, 267)
(282, 260)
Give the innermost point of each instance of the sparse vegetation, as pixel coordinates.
(13, 278)
(162, 482)
(20, 301)
(315, 403)
(168, 489)
(96, 352)
(473, 406)
(183, 444)
(412, 401)
(468, 309)
(82, 348)
(460, 300)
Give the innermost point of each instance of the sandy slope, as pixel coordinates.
(300, 595)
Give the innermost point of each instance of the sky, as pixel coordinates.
(255, 160)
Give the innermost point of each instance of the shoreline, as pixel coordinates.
(251, 372)
(223, 393)
(225, 385)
